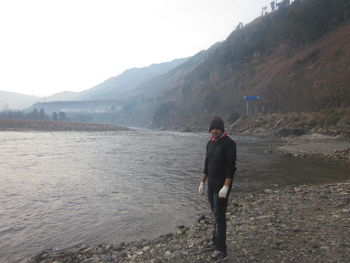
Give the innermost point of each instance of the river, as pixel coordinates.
(59, 189)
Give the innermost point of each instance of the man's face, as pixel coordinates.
(216, 133)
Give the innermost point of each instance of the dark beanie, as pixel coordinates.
(218, 123)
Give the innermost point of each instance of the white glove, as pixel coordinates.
(201, 188)
(223, 192)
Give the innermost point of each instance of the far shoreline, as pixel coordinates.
(52, 126)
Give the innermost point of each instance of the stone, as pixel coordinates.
(106, 258)
(167, 254)
(123, 254)
(88, 251)
(268, 191)
(146, 248)
(117, 248)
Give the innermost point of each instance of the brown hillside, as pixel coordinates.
(306, 79)
(311, 79)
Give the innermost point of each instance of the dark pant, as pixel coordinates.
(218, 207)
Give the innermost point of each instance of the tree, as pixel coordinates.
(54, 116)
(273, 6)
(42, 115)
(61, 116)
(239, 26)
(34, 115)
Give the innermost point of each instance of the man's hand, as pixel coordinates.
(223, 192)
(201, 188)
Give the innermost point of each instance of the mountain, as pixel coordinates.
(119, 86)
(16, 101)
(138, 108)
(123, 85)
(127, 99)
(62, 96)
(297, 59)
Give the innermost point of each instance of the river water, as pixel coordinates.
(64, 188)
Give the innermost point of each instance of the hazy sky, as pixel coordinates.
(49, 46)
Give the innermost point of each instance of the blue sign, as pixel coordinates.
(251, 97)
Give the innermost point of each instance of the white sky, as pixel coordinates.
(49, 46)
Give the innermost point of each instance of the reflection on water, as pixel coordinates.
(60, 189)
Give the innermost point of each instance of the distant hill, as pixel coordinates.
(16, 101)
(120, 86)
(129, 98)
(139, 109)
(123, 85)
(62, 96)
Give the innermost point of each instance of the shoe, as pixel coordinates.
(218, 256)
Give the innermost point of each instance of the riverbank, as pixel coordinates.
(29, 125)
(322, 135)
(330, 123)
(328, 148)
(309, 223)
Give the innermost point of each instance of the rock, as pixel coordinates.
(106, 258)
(146, 248)
(123, 254)
(167, 254)
(88, 250)
(201, 218)
(268, 191)
(264, 217)
(117, 248)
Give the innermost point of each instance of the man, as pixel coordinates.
(219, 169)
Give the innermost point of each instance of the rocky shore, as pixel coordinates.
(328, 148)
(321, 135)
(28, 125)
(309, 223)
(294, 124)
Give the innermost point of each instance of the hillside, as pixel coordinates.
(12, 100)
(140, 106)
(123, 85)
(296, 59)
(62, 96)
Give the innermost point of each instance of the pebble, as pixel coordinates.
(167, 254)
(268, 191)
(106, 258)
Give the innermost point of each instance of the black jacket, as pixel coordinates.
(220, 161)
